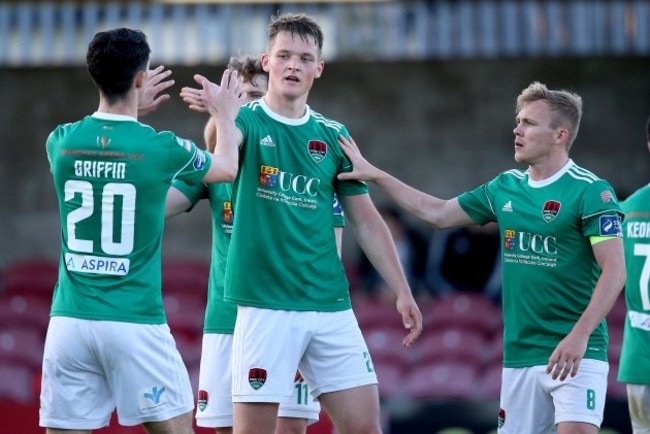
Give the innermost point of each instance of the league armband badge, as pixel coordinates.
(610, 225)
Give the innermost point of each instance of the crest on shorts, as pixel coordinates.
(256, 377)
(502, 418)
(203, 399)
(317, 150)
(551, 210)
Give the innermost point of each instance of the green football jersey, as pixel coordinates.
(634, 366)
(339, 215)
(283, 246)
(111, 175)
(220, 314)
(549, 270)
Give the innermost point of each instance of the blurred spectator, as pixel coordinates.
(411, 245)
(465, 259)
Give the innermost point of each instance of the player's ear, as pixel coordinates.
(140, 79)
(265, 62)
(319, 70)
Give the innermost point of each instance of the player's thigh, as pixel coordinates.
(638, 398)
(254, 417)
(181, 424)
(301, 407)
(525, 405)
(337, 357)
(71, 369)
(147, 374)
(354, 410)
(581, 399)
(267, 346)
(214, 406)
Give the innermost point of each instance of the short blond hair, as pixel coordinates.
(566, 107)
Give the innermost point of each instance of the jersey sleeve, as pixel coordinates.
(189, 162)
(348, 188)
(601, 211)
(478, 203)
(194, 193)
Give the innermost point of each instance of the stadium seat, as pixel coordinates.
(442, 381)
(385, 346)
(615, 389)
(391, 379)
(24, 311)
(490, 381)
(464, 310)
(372, 314)
(30, 277)
(180, 275)
(16, 383)
(185, 313)
(452, 345)
(190, 348)
(616, 316)
(615, 347)
(22, 346)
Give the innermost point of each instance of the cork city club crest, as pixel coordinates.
(203, 399)
(317, 150)
(256, 377)
(551, 210)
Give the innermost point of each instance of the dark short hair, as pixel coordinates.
(301, 25)
(114, 58)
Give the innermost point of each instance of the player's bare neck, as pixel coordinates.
(292, 108)
(546, 169)
(126, 107)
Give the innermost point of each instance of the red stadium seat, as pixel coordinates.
(615, 343)
(442, 381)
(453, 345)
(22, 346)
(385, 346)
(391, 379)
(464, 310)
(615, 389)
(616, 316)
(16, 383)
(30, 277)
(185, 313)
(490, 381)
(372, 314)
(24, 311)
(180, 275)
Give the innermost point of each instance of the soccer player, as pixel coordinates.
(633, 367)
(215, 408)
(108, 345)
(285, 274)
(562, 263)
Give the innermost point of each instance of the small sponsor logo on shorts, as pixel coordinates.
(502, 418)
(203, 399)
(153, 397)
(257, 377)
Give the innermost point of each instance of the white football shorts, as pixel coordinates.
(215, 409)
(533, 403)
(90, 368)
(269, 344)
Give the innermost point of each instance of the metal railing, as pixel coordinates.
(57, 33)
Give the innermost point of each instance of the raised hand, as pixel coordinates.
(219, 100)
(156, 82)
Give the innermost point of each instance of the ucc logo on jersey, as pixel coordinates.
(256, 377)
(317, 150)
(551, 210)
(268, 176)
(509, 239)
(227, 212)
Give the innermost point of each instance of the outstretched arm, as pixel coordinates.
(568, 354)
(223, 103)
(375, 240)
(439, 213)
